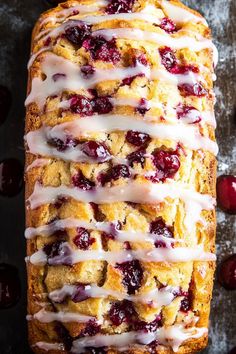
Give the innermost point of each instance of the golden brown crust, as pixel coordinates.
(197, 169)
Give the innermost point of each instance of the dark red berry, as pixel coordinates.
(58, 76)
(79, 180)
(167, 164)
(97, 151)
(11, 177)
(143, 106)
(101, 49)
(119, 6)
(168, 59)
(91, 329)
(132, 275)
(58, 253)
(185, 305)
(5, 103)
(60, 201)
(77, 34)
(9, 286)
(137, 138)
(128, 80)
(79, 294)
(139, 59)
(122, 312)
(233, 351)
(159, 228)
(149, 326)
(137, 157)
(102, 105)
(168, 25)
(192, 90)
(227, 273)
(83, 240)
(81, 105)
(184, 113)
(116, 172)
(87, 71)
(61, 145)
(226, 193)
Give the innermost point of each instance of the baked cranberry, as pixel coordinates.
(77, 34)
(127, 246)
(63, 335)
(87, 71)
(114, 227)
(185, 304)
(139, 59)
(11, 177)
(101, 49)
(226, 193)
(167, 25)
(184, 113)
(152, 347)
(61, 145)
(116, 172)
(58, 76)
(83, 240)
(137, 138)
(58, 253)
(81, 105)
(5, 103)
(102, 105)
(122, 312)
(91, 329)
(119, 6)
(168, 58)
(143, 106)
(167, 164)
(97, 151)
(128, 80)
(137, 156)
(158, 227)
(60, 201)
(192, 90)
(149, 326)
(227, 273)
(79, 294)
(9, 286)
(82, 182)
(132, 275)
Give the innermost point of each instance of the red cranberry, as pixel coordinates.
(63, 335)
(102, 105)
(142, 108)
(91, 329)
(61, 145)
(87, 71)
(58, 253)
(149, 326)
(137, 138)
(185, 304)
(9, 286)
(82, 182)
(77, 34)
(81, 105)
(184, 111)
(79, 294)
(83, 240)
(116, 172)
(96, 151)
(122, 312)
(11, 177)
(60, 201)
(227, 273)
(140, 59)
(233, 351)
(226, 193)
(119, 6)
(101, 49)
(5, 103)
(127, 246)
(159, 228)
(137, 157)
(132, 275)
(167, 164)
(192, 90)
(128, 80)
(169, 61)
(168, 25)
(115, 226)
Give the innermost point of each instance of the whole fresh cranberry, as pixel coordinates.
(226, 193)
(227, 273)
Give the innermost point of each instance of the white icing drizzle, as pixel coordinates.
(179, 14)
(73, 80)
(172, 336)
(49, 346)
(156, 297)
(108, 227)
(38, 163)
(64, 317)
(188, 135)
(172, 255)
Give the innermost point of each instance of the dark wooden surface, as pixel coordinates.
(16, 20)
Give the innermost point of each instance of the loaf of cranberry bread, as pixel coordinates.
(120, 178)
